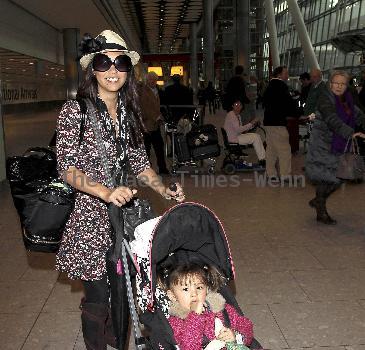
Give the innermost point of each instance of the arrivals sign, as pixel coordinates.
(14, 93)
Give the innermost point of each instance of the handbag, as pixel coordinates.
(124, 219)
(43, 202)
(45, 216)
(351, 164)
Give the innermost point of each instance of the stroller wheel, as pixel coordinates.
(211, 170)
(229, 169)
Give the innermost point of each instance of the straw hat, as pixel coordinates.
(107, 40)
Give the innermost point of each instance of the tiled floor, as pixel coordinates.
(302, 283)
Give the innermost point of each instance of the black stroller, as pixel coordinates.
(186, 231)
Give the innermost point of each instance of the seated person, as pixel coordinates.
(238, 133)
(198, 313)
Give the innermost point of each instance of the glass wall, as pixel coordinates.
(324, 19)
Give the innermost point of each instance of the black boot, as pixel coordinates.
(322, 214)
(93, 319)
(323, 191)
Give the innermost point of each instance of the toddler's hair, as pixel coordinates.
(209, 275)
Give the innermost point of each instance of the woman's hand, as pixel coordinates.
(226, 335)
(358, 134)
(119, 196)
(177, 195)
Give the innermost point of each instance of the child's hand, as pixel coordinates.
(197, 307)
(226, 335)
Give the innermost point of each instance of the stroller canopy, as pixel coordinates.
(190, 231)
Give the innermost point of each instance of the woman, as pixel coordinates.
(110, 84)
(336, 120)
(238, 133)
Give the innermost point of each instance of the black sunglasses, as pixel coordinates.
(102, 63)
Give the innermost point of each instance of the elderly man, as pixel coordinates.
(150, 108)
(317, 87)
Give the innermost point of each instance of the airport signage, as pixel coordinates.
(14, 93)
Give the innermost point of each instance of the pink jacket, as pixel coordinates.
(189, 327)
(233, 127)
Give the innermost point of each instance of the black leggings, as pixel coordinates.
(98, 292)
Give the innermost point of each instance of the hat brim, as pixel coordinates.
(85, 60)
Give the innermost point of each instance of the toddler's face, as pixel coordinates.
(188, 292)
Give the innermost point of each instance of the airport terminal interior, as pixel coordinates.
(301, 282)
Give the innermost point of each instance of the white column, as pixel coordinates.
(304, 38)
(193, 58)
(208, 40)
(2, 142)
(273, 34)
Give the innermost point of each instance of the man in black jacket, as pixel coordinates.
(236, 88)
(279, 106)
(178, 94)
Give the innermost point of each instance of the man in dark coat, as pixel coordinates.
(317, 87)
(236, 88)
(279, 106)
(305, 81)
(178, 94)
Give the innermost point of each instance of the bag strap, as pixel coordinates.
(347, 145)
(93, 114)
(355, 146)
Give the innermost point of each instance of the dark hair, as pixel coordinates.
(128, 92)
(305, 76)
(209, 275)
(233, 101)
(176, 78)
(238, 70)
(278, 70)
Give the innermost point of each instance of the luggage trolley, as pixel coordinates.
(191, 140)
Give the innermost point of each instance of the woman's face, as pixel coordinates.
(237, 107)
(338, 85)
(111, 80)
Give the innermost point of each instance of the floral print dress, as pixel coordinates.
(87, 235)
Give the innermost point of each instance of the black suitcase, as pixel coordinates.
(204, 152)
(203, 142)
(203, 135)
(182, 151)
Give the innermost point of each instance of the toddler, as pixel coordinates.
(198, 315)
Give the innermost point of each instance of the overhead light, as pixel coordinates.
(31, 63)
(157, 70)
